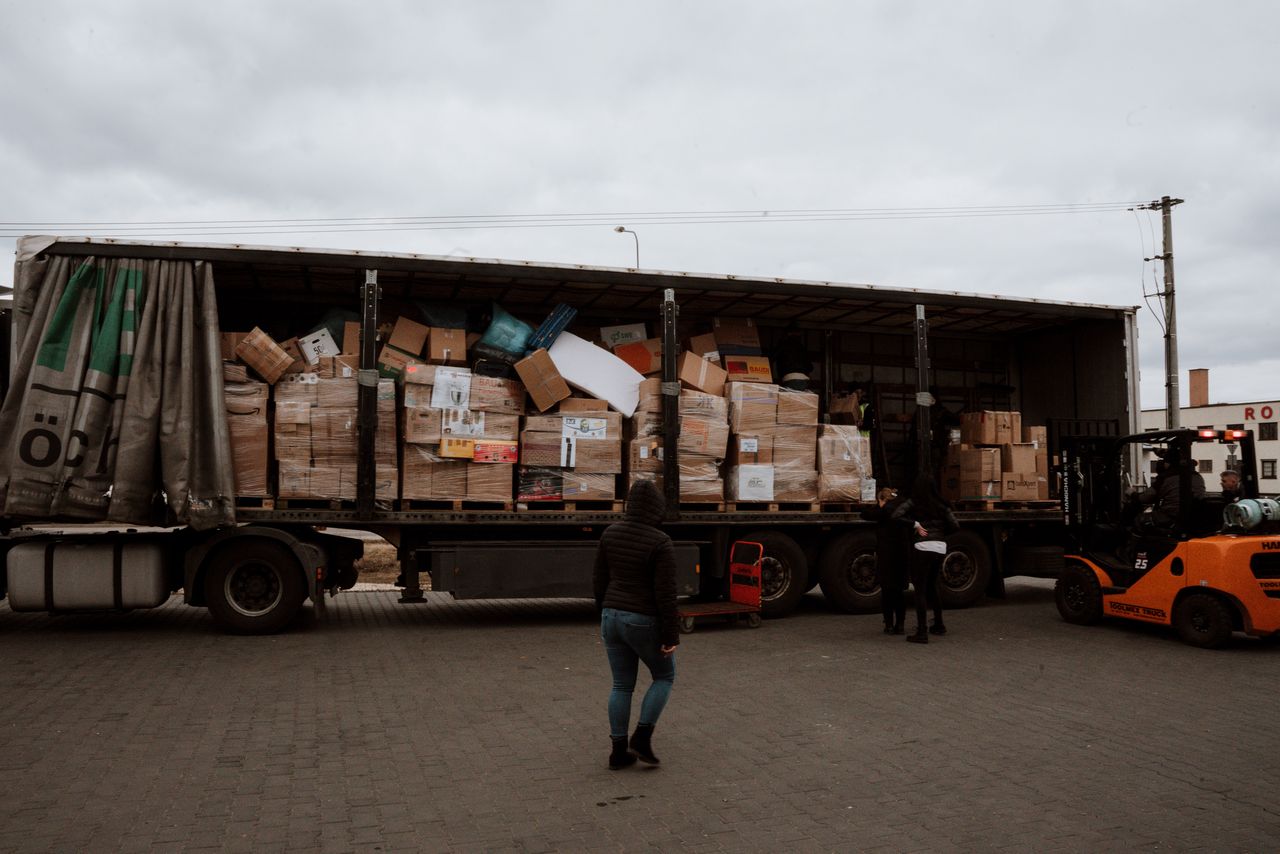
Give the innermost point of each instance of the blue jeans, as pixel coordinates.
(630, 638)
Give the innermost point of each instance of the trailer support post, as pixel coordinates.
(670, 403)
(367, 402)
(924, 399)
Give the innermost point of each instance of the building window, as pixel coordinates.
(1267, 431)
(1206, 466)
(1268, 469)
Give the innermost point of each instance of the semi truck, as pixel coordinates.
(923, 355)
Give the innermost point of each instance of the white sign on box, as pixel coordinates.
(318, 344)
(582, 427)
(452, 389)
(755, 483)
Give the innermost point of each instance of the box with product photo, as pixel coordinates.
(452, 389)
(615, 336)
(495, 451)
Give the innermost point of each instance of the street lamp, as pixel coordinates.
(620, 230)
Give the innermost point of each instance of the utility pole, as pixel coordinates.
(1172, 397)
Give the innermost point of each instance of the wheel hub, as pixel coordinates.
(958, 571)
(862, 574)
(254, 588)
(775, 578)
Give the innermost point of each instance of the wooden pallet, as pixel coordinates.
(772, 506)
(604, 505)
(456, 505)
(703, 506)
(843, 506)
(256, 502)
(995, 504)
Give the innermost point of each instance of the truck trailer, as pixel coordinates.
(927, 355)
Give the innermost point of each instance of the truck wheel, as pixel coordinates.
(966, 570)
(1078, 594)
(253, 586)
(784, 576)
(848, 572)
(686, 625)
(1202, 620)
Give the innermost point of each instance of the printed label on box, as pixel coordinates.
(461, 422)
(452, 389)
(749, 446)
(318, 344)
(576, 427)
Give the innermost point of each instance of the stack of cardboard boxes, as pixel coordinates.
(460, 434)
(704, 433)
(773, 446)
(844, 465)
(997, 459)
(316, 438)
(246, 405)
(574, 454)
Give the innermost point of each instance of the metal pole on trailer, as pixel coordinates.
(670, 403)
(367, 401)
(924, 398)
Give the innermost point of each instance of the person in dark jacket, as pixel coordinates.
(635, 588)
(893, 548)
(927, 518)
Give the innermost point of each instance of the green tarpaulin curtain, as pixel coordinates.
(115, 409)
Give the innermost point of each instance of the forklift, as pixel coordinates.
(1207, 565)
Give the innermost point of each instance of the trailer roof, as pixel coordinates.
(527, 285)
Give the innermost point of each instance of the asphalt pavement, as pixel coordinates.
(480, 726)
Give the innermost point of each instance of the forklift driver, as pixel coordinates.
(1164, 496)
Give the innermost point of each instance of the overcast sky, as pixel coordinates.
(184, 111)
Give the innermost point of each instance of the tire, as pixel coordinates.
(1078, 594)
(1202, 620)
(965, 572)
(847, 572)
(754, 620)
(253, 586)
(784, 578)
(686, 625)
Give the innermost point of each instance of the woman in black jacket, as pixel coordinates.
(928, 519)
(635, 588)
(893, 548)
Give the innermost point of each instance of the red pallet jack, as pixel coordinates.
(745, 561)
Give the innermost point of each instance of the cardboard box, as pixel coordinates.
(1036, 435)
(839, 487)
(317, 344)
(457, 448)
(351, 337)
(736, 337)
(750, 449)
(616, 336)
(985, 490)
(230, 341)
(990, 428)
(541, 380)
(750, 483)
(645, 455)
(978, 464)
(493, 451)
(494, 394)
(644, 356)
(703, 436)
(750, 369)
(797, 407)
(267, 358)
(650, 395)
(845, 409)
(409, 337)
(704, 346)
(795, 447)
(233, 373)
(393, 362)
(844, 456)
(421, 426)
(540, 449)
(447, 346)
(703, 405)
(1019, 486)
(592, 455)
(490, 482)
(588, 486)
(539, 484)
(246, 406)
(597, 425)
(698, 373)
(468, 423)
(583, 404)
(420, 373)
(1020, 457)
(643, 425)
(794, 484)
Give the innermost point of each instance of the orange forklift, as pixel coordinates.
(1208, 566)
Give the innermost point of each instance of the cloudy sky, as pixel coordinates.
(196, 112)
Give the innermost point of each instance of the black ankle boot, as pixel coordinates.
(937, 628)
(620, 757)
(920, 635)
(640, 745)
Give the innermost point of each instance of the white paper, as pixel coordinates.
(597, 372)
(461, 422)
(582, 427)
(868, 489)
(452, 389)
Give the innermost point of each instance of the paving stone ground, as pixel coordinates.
(481, 727)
